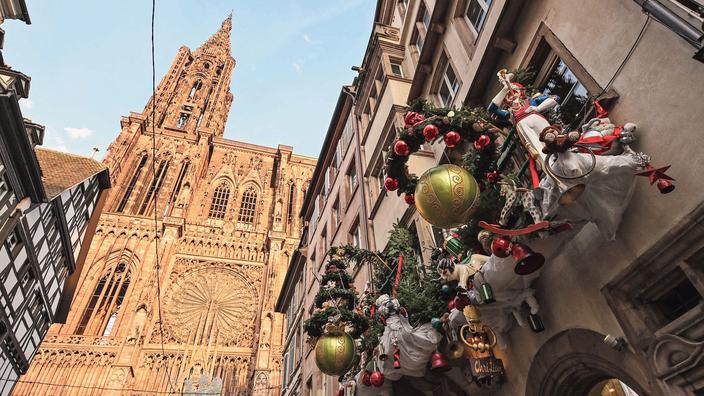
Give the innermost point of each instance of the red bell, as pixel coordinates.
(501, 247)
(665, 186)
(367, 378)
(397, 357)
(527, 261)
(377, 379)
(439, 363)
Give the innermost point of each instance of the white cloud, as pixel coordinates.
(60, 148)
(296, 67)
(26, 103)
(307, 38)
(78, 133)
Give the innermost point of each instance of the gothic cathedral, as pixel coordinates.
(226, 224)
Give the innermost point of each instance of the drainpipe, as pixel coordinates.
(675, 23)
(358, 163)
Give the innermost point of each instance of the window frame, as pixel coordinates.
(485, 6)
(220, 201)
(248, 208)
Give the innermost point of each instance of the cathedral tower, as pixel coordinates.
(211, 222)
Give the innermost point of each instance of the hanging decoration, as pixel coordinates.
(511, 173)
(335, 323)
(334, 352)
(446, 196)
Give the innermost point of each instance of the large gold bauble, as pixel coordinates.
(334, 353)
(447, 196)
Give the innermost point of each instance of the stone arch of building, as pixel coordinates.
(574, 360)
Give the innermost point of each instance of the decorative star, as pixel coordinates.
(654, 174)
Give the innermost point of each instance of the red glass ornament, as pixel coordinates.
(452, 139)
(401, 148)
(410, 199)
(500, 247)
(665, 186)
(461, 302)
(527, 261)
(391, 184)
(413, 118)
(366, 378)
(377, 379)
(492, 177)
(482, 142)
(430, 132)
(451, 305)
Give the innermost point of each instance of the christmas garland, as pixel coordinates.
(315, 325)
(458, 128)
(336, 293)
(342, 279)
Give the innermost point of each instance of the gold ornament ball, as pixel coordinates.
(447, 196)
(334, 353)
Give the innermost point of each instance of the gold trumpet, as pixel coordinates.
(504, 80)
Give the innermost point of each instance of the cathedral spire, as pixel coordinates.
(219, 42)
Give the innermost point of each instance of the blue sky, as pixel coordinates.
(90, 64)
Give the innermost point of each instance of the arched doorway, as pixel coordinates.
(574, 361)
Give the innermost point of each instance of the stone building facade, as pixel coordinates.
(647, 285)
(49, 206)
(337, 217)
(197, 230)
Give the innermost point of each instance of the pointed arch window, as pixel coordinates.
(248, 207)
(291, 199)
(103, 307)
(133, 182)
(178, 184)
(155, 186)
(218, 206)
(194, 89)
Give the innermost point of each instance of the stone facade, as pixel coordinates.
(645, 286)
(197, 230)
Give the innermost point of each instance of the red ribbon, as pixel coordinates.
(533, 172)
(398, 275)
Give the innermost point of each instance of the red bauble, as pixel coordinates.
(492, 177)
(377, 379)
(413, 118)
(461, 302)
(391, 184)
(366, 378)
(500, 247)
(341, 391)
(410, 199)
(452, 139)
(451, 305)
(430, 132)
(482, 142)
(401, 148)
